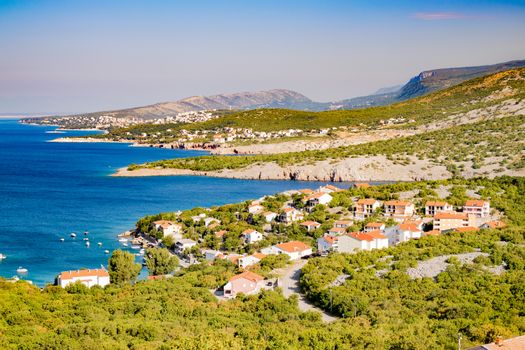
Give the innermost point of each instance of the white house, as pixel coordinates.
(251, 236)
(183, 244)
(402, 233)
(374, 226)
(327, 243)
(351, 242)
(269, 216)
(255, 208)
(89, 278)
(209, 221)
(250, 260)
(290, 215)
(343, 223)
(337, 231)
(168, 228)
(449, 221)
(434, 207)
(365, 207)
(294, 249)
(477, 208)
(317, 198)
(380, 240)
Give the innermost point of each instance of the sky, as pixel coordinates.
(81, 56)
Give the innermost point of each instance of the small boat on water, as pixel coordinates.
(125, 244)
(21, 270)
(99, 244)
(73, 234)
(135, 246)
(85, 239)
(142, 251)
(87, 243)
(86, 233)
(62, 239)
(2, 256)
(122, 240)
(106, 251)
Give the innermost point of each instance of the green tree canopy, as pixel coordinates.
(160, 261)
(122, 267)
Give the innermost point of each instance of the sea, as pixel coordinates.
(49, 190)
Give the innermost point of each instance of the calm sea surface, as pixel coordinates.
(48, 190)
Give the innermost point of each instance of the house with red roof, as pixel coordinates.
(477, 207)
(168, 228)
(343, 223)
(88, 277)
(252, 236)
(336, 231)
(246, 283)
(317, 198)
(495, 224)
(290, 215)
(294, 249)
(329, 189)
(452, 220)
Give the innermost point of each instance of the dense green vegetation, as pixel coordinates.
(463, 143)
(461, 98)
(386, 311)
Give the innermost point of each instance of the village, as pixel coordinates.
(264, 236)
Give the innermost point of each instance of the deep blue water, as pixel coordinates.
(48, 190)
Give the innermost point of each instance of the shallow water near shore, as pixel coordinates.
(48, 190)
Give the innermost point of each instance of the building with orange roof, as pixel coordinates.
(255, 208)
(516, 343)
(306, 191)
(247, 283)
(365, 207)
(294, 249)
(477, 207)
(310, 225)
(89, 277)
(434, 207)
(329, 189)
(247, 261)
(432, 233)
(220, 234)
(290, 215)
(269, 216)
(355, 241)
(399, 210)
(337, 231)
(446, 221)
(317, 198)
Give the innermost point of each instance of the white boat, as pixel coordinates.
(62, 239)
(125, 244)
(99, 244)
(142, 251)
(135, 246)
(21, 270)
(2, 256)
(122, 240)
(87, 243)
(73, 234)
(85, 239)
(86, 233)
(106, 251)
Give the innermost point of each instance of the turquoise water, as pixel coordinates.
(48, 190)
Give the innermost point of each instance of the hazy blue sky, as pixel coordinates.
(75, 56)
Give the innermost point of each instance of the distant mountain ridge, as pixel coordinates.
(424, 83)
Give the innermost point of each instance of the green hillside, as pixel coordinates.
(390, 311)
(464, 97)
(474, 142)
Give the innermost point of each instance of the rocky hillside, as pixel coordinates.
(427, 82)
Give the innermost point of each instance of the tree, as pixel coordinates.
(122, 267)
(160, 261)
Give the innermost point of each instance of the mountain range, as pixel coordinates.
(425, 82)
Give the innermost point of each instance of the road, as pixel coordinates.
(289, 283)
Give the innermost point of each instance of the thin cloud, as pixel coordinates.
(438, 16)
